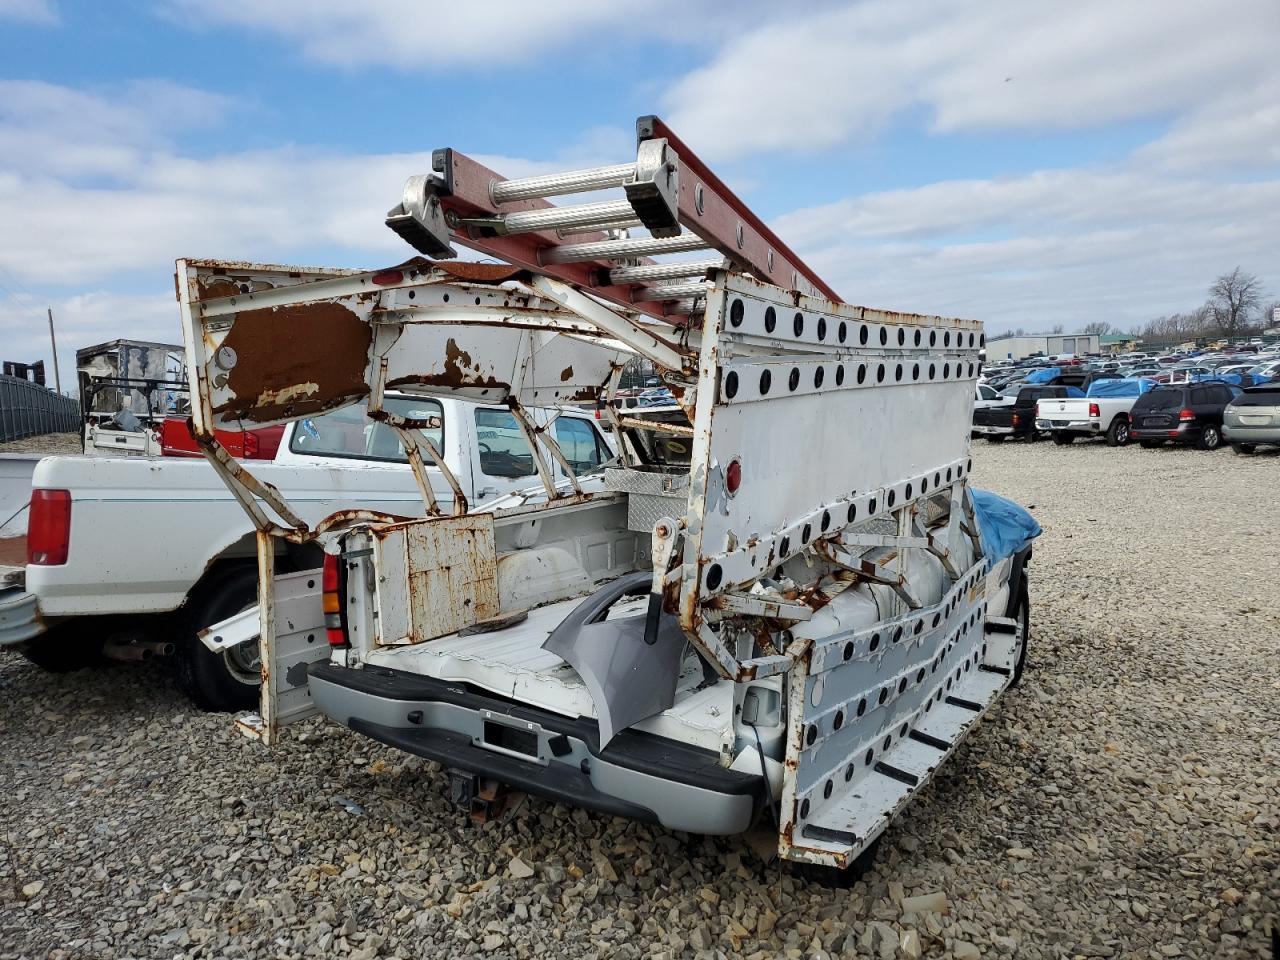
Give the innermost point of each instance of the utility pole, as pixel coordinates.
(57, 380)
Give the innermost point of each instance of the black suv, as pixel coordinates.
(1182, 413)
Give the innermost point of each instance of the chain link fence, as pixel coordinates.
(29, 410)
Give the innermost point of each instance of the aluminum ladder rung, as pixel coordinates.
(664, 271)
(622, 249)
(559, 184)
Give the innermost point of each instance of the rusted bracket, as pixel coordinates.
(868, 573)
(746, 604)
(662, 352)
(247, 488)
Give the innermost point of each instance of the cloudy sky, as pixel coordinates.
(1020, 163)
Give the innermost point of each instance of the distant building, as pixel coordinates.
(1049, 344)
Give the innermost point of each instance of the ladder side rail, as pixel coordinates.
(710, 209)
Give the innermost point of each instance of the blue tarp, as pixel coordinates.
(1006, 527)
(1074, 392)
(1135, 387)
(1044, 375)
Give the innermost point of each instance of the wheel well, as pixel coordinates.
(290, 557)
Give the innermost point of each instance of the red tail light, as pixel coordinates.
(49, 527)
(1094, 411)
(733, 476)
(250, 444)
(1186, 415)
(1016, 419)
(331, 583)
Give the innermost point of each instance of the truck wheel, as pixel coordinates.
(1118, 433)
(834, 876)
(995, 438)
(1210, 438)
(1243, 448)
(227, 680)
(67, 647)
(1062, 439)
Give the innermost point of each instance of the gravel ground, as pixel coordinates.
(48, 443)
(1122, 802)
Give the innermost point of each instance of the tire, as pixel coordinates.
(218, 681)
(834, 876)
(1150, 444)
(1035, 436)
(1118, 433)
(67, 647)
(1244, 449)
(1023, 618)
(1064, 439)
(995, 438)
(1210, 438)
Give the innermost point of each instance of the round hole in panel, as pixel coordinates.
(770, 319)
(736, 311)
(731, 384)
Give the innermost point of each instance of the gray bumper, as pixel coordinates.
(1069, 426)
(989, 431)
(638, 775)
(1239, 433)
(19, 616)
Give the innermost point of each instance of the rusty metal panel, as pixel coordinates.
(391, 560)
(452, 566)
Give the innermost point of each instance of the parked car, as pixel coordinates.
(1104, 411)
(1182, 413)
(1253, 419)
(106, 573)
(1018, 419)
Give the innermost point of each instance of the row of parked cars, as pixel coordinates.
(1203, 406)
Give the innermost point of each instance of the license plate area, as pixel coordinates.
(512, 737)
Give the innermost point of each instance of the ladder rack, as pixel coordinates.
(667, 191)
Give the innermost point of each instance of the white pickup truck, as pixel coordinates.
(133, 556)
(1103, 413)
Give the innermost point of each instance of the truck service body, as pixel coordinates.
(783, 597)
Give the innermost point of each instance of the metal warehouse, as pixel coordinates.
(1015, 348)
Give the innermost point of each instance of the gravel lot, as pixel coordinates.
(1124, 801)
(47, 443)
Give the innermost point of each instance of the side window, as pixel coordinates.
(1199, 395)
(504, 452)
(578, 442)
(349, 433)
(1222, 394)
(986, 392)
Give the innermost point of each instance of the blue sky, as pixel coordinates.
(1021, 164)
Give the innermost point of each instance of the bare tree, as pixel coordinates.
(1098, 328)
(1057, 328)
(1234, 298)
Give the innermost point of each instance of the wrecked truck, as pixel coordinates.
(783, 600)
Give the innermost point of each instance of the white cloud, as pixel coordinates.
(29, 11)
(409, 35)
(1065, 246)
(81, 320)
(801, 83)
